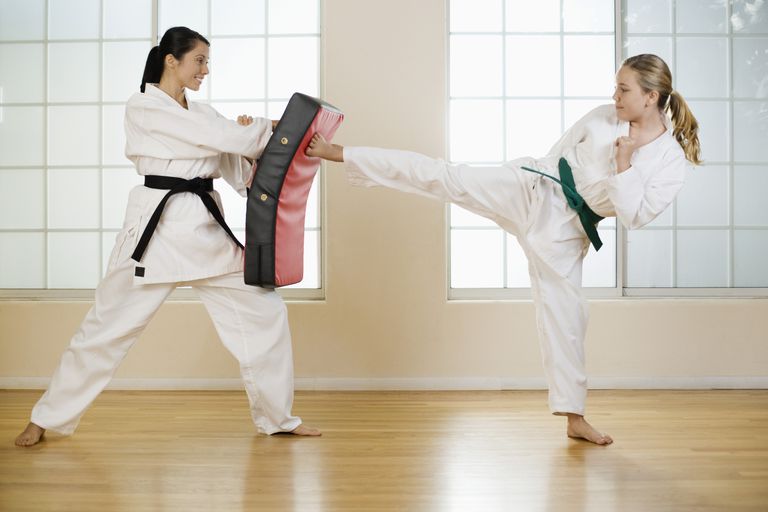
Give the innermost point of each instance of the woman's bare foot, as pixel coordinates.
(578, 428)
(303, 430)
(31, 435)
(321, 148)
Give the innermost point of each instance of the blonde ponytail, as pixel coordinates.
(685, 127)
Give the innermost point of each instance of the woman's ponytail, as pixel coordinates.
(685, 127)
(153, 69)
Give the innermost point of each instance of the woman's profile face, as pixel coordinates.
(192, 68)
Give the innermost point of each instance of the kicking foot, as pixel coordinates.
(303, 430)
(578, 428)
(31, 435)
(321, 148)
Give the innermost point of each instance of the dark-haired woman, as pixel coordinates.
(179, 146)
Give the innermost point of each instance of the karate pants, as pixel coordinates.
(251, 322)
(534, 210)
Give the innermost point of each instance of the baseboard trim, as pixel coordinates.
(415, 384)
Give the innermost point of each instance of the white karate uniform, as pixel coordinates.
(534, 209)
(188, 248)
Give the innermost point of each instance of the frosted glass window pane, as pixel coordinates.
(701, 16)
(702, 258)
(229, 77)
(237, 17)
(749, 204)
(293, 17)
(533, 126)
(22, 262)
(576, 109)
(464, 218)
(185, 13)
(704, 199)
(22, 20)
(113, 150)
(533, 65)
(123, 68)
(748, 16)
(275, 109)
(661, 46)
(234, 204)
(107, 244)
(116, 184)
(231, 110)
(517, 265)
(73, 72)
(23, 198)
(750, 67)
(293, 66)
(312, 218)
(476, 15)
(476, 131)
(599, 269)
(702, 67)
(588, 15)
(21, 136)
(311, 261)
(649, 258)
(750, 131)
(73, 198)
(714, 132)
(73, 135)
(74, 260)
(589, 66)
(539, 16)
(123, 20)
(749, 250)
(73, 19)
(476, 66)
(648, 17)
(477, 259)
(21, 73)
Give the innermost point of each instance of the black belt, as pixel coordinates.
(588, 218)
(199, 186)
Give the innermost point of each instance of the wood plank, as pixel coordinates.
(421, 451)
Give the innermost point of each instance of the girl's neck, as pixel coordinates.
(650, 122)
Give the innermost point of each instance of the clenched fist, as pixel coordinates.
(625, 146)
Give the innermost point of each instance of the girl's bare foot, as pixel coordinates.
(578, 428)
(321, 148)
(303, 430)
(31, 435)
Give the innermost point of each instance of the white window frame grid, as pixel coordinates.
(621, 290)
(182, 293)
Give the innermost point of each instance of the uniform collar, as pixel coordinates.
(154, 90)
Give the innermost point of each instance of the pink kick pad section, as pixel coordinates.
(289, 225)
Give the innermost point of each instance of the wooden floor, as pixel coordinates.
(391, 451)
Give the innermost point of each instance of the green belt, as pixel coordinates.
(588, 218)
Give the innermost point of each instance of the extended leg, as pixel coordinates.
(119, 314)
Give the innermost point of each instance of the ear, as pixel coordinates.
(653, 98)
(170, 61)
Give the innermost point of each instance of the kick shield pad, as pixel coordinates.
(277, 199)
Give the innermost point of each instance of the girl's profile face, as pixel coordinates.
(630, 99)
(192, 68)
